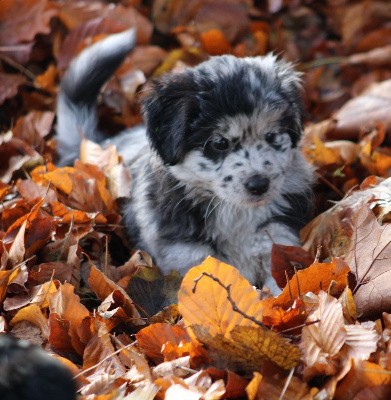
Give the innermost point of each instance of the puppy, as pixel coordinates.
(216, 169)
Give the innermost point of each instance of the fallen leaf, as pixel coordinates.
(315, 278)
(368, 259)
(247, 348)
(103, 287)
(323, 339)
(152, 339)
(66, 305)
(214, 42)
(362, 375)
(10, 85)
(361, 342)
(34, 315)
(208, 304)
(285, 260)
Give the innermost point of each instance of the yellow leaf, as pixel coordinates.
(248, 348)
(252, 387)
(33, 314)
(209, 306)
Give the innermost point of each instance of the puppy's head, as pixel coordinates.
(228, 127)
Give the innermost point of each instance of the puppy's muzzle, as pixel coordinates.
(257, 185)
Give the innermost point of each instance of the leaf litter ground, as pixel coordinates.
(70, 283)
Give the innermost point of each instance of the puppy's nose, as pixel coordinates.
(257, 184)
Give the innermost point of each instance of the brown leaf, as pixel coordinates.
(285, 260)
(362, 375)
(22, 20)
(33, 314)
(152, 339)
(323, 339)
(332, 230)
(30, 191)
(5, 277)
(15, 154)
(364, 112)
(103, 287)
(33, 127)
(66, 305)
(10, 85)
(369, 260)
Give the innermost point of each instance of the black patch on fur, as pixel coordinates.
(266, 163)
(182, 110)
(238, 164)
(237, 147)
(228, 178)
(259, 147)
(298, 213)
(132, 228)
(247, 154)
(203, 166)
(179, 219)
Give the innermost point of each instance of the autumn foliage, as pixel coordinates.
(68, 279)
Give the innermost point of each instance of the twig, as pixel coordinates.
(331, 186)
(287, 382)
(300, 326)
(18, 66)
(229, 297)
(105, 359)
(324, 61)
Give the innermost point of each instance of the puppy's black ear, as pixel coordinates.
(291, 86)
(169, 107)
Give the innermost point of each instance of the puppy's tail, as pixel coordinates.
(76, 103)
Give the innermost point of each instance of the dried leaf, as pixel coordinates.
(315, 278)
(360, 341)
(323, 339)
(33, 314)
(10, 85)
(285, 260)
(103, 287)
(363, 375)
(208, 305)
(368, 258)
(66, 304)
(152, 339)
(248, 347)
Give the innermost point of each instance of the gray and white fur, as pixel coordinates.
(216, 169)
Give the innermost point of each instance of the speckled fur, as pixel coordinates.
(190, 199)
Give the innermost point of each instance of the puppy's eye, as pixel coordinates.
(219, 143)
(270, 137)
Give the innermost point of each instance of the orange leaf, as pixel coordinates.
(103, 287)
(33, 314)
(316, 277)
(4, 279)
(152, 339)
(361, 376)
(66, 304)
(214, 42)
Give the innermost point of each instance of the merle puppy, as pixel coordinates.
(216, 168)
